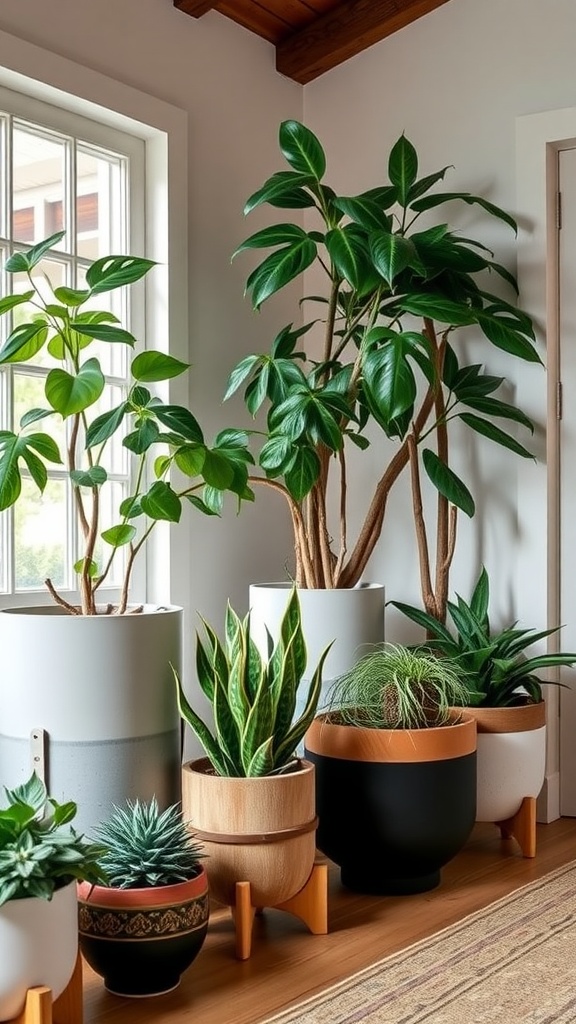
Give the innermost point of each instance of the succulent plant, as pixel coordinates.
(253, 699)
(396, 687)
(146, 847)
(39, 850)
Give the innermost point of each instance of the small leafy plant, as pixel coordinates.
(253, 699)
(62, 324)
(496, 671)
(39, 850)
(396, 687)
(146, 847)
(394, 300)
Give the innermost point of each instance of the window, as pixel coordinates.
(61, 171)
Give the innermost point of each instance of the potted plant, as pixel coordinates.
(147, 923)
(41, 859)
(251, 799)
(93, 677)
(395, 771)
(503, 691)
(377, 357)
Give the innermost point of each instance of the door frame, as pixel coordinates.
(539, 137)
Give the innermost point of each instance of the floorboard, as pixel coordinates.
(288, 964)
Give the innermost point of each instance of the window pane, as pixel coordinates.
(29, 394)
(40, 533)
(100, 224)
(38, 184)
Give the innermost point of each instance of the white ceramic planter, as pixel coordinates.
(353, 619)
(102, 689)
(511, 758)
(38, 946)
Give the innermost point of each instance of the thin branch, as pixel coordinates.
(343, 519)
(70, 608)
(421, 533)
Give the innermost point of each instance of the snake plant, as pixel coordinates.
(497, 671)
(253, 698)
(146, 847)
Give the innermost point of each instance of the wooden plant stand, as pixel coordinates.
(40, 1008)
(310, 905)
(522, 827)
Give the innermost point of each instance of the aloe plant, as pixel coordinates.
(497, 671)
(253, 699)
(393, 300)
(61, 323)
(146, 847)
(39, 850)
(397, 687)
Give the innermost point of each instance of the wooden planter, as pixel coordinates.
(141, 940)
(394, 805)
(511, 768)
(257, 830)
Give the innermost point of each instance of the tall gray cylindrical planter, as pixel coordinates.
(101, 689)
(351, 620)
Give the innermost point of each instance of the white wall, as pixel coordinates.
(224, 78)
(455, 82)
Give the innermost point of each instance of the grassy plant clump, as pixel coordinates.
(146, 847)
(395, 687)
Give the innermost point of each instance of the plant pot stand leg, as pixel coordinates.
(67, 1009)
(310, 905)
(522, 827)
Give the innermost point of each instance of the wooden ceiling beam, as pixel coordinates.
(195, 7)
(343, 32)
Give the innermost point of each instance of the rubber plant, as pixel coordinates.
(497, 672)
(60, 324)
(397, 299)
(253, 699)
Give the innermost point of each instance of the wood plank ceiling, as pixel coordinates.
(312, 36)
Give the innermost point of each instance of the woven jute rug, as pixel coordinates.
(513, 963)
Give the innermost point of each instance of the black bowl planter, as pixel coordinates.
(394, 805)
(141, 940)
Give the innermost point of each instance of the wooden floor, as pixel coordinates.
(288, 964)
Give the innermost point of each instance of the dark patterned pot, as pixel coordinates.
(141, 940)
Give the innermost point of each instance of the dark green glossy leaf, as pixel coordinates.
(363, 211)
(71, 296)
(438, 308)
(95, 476)
(116, 271)
(349, 254)
(494, 433)
(447, 483)
(33, 415)
(105, 332)
(391, 254)
(161, 502)
(303, 474)
(429, 202)
(278, 269)
(143, 437)
(190, 459)
(279, 187)
(494, 407)
(24, 261)
(181, 421)
(217, 470)
(301, 149)
(105, 426)
(389, 382)
(24, 342)
(504, 334)
(277, 234)
(403, 168)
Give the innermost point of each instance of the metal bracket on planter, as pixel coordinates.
(38, 743)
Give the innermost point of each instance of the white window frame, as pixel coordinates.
(40, 75)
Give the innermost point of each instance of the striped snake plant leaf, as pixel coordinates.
(236, 694)
(286, 683)
(254, 668)
(214, 662)
(259, 726)
(201, 730)
(285, 751)
(227, 729)
(293, 637)
(263, 761)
